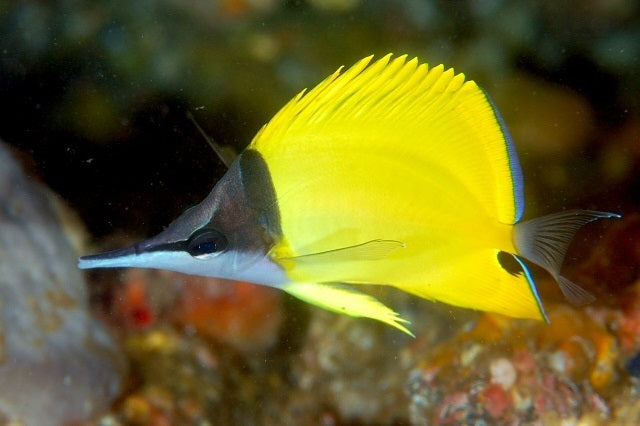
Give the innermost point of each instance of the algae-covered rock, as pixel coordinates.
(57, 364)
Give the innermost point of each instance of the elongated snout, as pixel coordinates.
(112, 259)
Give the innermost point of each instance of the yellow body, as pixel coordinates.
(394, 151)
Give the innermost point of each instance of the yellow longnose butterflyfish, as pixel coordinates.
(389, 173)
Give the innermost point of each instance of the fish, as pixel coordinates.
(390, 173)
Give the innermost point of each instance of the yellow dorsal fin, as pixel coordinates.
(432, 111)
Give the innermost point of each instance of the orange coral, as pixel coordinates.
(131, 304)
(244, 315)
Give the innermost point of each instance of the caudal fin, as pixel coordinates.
(544, 241)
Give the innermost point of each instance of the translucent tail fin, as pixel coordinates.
(544, 241)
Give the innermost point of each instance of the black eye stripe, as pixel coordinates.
(201, 242)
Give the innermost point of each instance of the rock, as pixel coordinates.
(503, 373)
(57, 364)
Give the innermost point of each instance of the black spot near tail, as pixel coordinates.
(509, 263)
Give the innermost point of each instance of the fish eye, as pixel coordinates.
(206, 242)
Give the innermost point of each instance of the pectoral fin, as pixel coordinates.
(345, 300)
(371, 250)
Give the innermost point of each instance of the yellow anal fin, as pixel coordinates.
(371, 250)
(345, 300)
(486, 280)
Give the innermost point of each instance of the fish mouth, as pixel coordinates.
(113, 258)
(135, 255)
